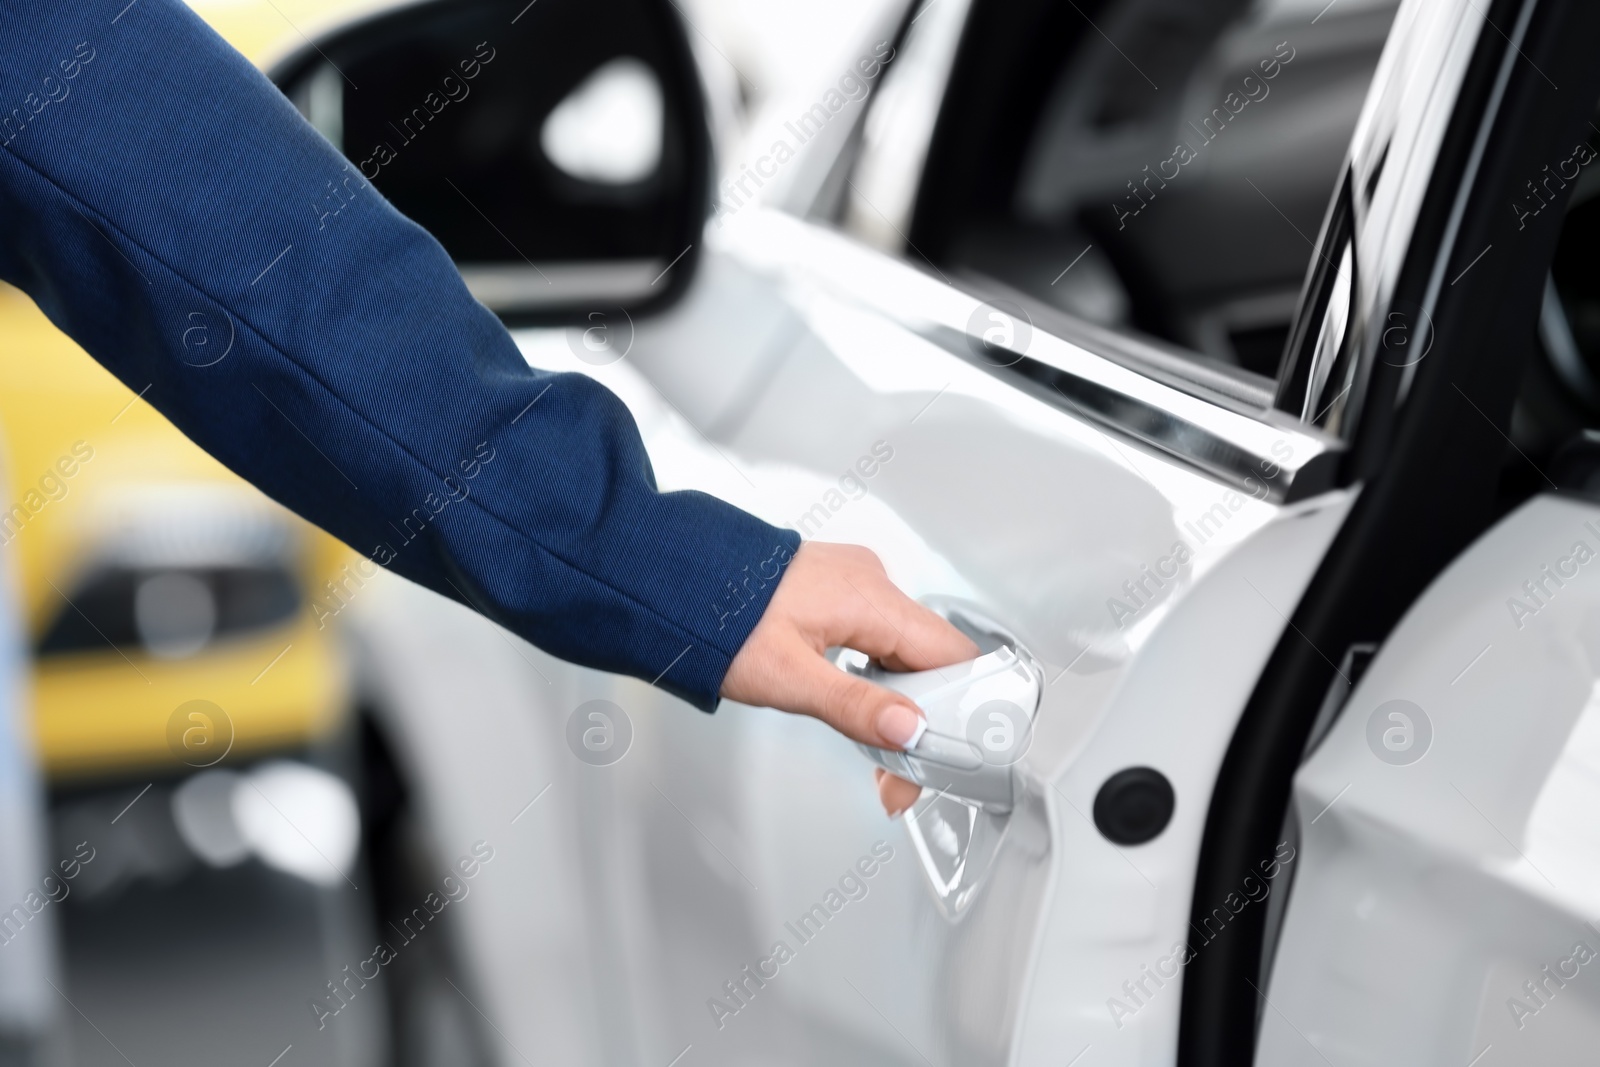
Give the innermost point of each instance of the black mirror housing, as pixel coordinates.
(559, 150)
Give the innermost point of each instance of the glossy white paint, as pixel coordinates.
(1429, 892)
(1238, 442)
(769, 385)
(1116, 914)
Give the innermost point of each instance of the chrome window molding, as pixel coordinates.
(1220, 424)
(1183, 369)
(1311, 466)
(899, 124)
(1393, 155)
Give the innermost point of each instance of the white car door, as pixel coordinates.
(1136, 541)
(1445, 900)
(1445, 906)
(1137, 523)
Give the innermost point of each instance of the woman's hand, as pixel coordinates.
(838, 595)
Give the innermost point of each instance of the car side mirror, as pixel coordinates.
(559, 150)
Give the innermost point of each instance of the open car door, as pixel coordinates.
(1445, 896)
(1131, 527)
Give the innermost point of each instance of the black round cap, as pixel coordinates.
(1134, 805)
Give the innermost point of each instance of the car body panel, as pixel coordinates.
(1402, 889)
(794, 355)
(1450, 856)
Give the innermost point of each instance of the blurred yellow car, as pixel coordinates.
(177, 616)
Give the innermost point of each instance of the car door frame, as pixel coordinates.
(1153, 363)
(1157, 363)
(1431, 434)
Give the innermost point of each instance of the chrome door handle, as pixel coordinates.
(979, 721)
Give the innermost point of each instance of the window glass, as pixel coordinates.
(1160, 166)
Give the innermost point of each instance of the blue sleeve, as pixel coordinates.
(152, 181)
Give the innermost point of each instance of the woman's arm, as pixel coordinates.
(164, 205)
(156, 190)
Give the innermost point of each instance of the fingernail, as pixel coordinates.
(900, 725)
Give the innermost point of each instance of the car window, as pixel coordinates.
(1157, 166)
